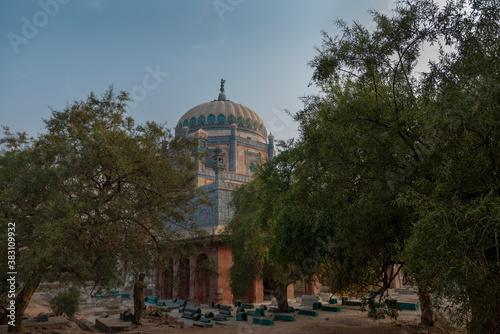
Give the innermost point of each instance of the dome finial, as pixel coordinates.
(222, 95)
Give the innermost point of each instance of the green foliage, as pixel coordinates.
(95, 196)
(396, 169)
(376, 310)
(363, 147)
(66, 302)
(454, 247)
(255, 235)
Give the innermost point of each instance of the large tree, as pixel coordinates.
(399, 169)
(255, 235)
(455, 244)
(364, 147)
(93, 196)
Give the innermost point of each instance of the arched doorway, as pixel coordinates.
(167, 282)
(183, 279)
(201, 280)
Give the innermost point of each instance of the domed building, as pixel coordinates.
(238, 130)
(235, 141)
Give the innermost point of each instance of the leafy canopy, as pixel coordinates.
(94, 196)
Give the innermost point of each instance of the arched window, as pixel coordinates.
(255, 124)
(201, 120)
(211, 118)
(248, 123)
(192, 121)
(231, 119)
(186, 122)
(241, 121)
(221, 118)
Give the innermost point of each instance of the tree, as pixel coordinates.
(454, 247)
(94, 196)
(364, 147)
(403, 166)
(254, 232)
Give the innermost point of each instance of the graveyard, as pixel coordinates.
(309, 313)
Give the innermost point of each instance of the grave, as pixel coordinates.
(220, 317)
(283, 317)
(151, 299)
(257, 313)
(309, 299)
(225, 312)
(289, 309)
(330, 309)
(181, 302)
(169, 303)
(317, 306)
(308, 312)
(192, 309)
(409, 306)
(226, 307)
(109, 325)
(99, 310)
(263, 322)
(191, 315)
(247, 306)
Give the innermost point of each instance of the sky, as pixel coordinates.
(169, 55)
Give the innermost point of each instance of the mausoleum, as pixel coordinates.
(236, 142)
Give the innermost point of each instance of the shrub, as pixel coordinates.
(66, 302)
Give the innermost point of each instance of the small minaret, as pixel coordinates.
(185, 131)
(232, 158)
(201, 148)
(270, 147)
(219, 164)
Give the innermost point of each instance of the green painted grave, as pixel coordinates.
(308, 312)
(263, 322)
(330, 309)
(283, 317)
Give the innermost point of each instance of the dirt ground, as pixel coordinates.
(349, 320)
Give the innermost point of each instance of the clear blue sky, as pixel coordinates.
(57, 51)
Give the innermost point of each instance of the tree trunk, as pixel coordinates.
(427, 314)
(281, 298)
(23, 299)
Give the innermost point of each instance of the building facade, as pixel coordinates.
(235, 141)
